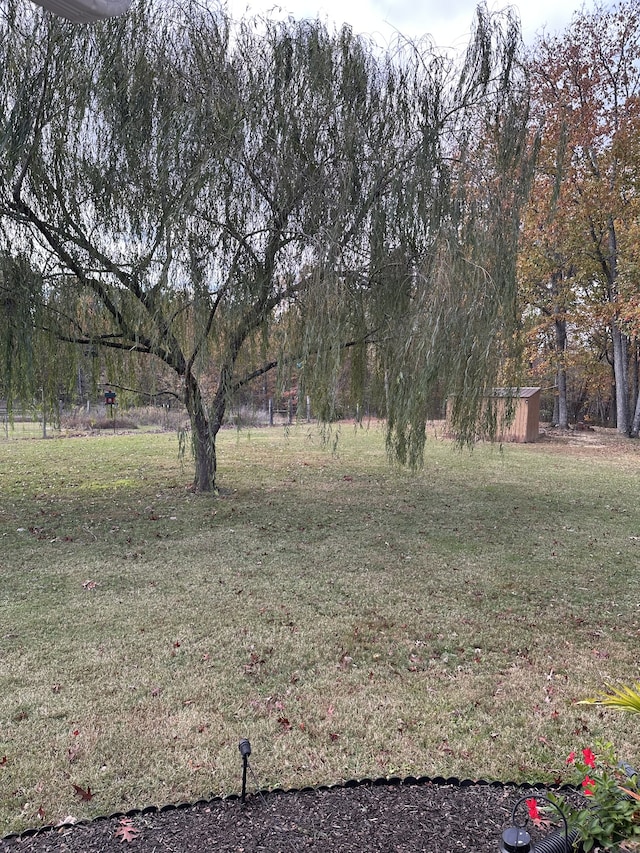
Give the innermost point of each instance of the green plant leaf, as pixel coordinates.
(624, 698)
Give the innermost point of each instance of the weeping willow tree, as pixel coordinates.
(182, 188)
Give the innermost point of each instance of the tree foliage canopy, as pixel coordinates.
(581, 229)
(229, 200)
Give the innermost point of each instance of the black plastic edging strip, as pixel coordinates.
(390, 781)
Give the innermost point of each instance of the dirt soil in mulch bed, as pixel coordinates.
(407, 818)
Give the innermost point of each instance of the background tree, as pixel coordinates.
(547, 284)
(586, 84)
(179, 191)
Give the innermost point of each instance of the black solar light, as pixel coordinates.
(245, 751)
(516, 839)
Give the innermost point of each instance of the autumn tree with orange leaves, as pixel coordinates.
(579, 260)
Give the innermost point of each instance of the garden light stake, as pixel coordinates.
(515, 839)
(245, 751)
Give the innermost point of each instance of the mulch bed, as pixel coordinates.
(394, 818)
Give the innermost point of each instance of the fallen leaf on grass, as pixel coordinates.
(127, 832)
(84, 795)
(345, 661)
(3, 761)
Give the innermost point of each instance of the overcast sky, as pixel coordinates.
(448, 21)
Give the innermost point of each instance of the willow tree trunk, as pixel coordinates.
(203, 439)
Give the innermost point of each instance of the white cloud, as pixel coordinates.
(448, 21)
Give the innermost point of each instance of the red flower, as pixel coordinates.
(589, 757)
(588, 786)
(532, 806)
(571, 758)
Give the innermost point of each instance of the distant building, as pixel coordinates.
(525, 426)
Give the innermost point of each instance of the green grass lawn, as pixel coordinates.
(349, 618)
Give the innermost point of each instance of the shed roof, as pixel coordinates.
(521, 393)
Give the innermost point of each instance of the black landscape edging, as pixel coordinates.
(389, 781)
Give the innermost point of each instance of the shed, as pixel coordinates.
(525, 426)
(526, 420)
